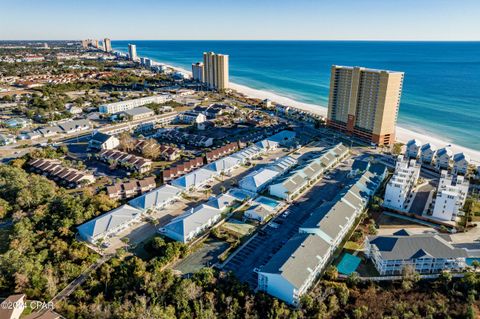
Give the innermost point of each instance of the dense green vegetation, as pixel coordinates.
(128, 287)
(42, 256)
(42, 253)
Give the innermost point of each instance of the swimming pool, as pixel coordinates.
(267, 201)
(240, 194)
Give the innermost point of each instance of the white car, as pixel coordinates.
(273, 225)
(286, 213)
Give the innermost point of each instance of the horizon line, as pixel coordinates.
(251, 40)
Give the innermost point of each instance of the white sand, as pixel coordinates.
(402, 134)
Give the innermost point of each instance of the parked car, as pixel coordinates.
(285, 213)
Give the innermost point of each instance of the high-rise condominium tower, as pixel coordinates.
(216, 70)
(132, 52)
(364, 102)
(107, 45)
(197, 71)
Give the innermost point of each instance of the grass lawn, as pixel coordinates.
(351, 245)
(238, 227)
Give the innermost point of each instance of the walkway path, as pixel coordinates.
(70, 288)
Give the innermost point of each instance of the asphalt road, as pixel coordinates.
(205, 256)
(267, 242)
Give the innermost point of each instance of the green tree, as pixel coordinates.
(331, 273)
(397, 149)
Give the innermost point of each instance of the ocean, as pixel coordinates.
(441, 91)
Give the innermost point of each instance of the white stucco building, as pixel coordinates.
(413, 148)
(102, 141)
(122, 106)
(451, 195)
(400, 186)
(427, 153)
(426, 253)
(443, 158)
(460, 163)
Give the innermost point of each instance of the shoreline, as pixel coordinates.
(402, 134)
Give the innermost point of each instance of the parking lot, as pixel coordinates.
(258, 251)
(204, 256)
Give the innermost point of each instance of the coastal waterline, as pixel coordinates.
(441, 93)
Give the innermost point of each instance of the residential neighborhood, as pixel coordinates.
(132, 189)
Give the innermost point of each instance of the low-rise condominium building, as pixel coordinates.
(109, 223)
(122, 106)
(292, 185)
(426, 253)
(102, 141)
(293, 269)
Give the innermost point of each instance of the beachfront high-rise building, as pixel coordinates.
(215, 70)
(107, 45)
(90, 43)
(364, 102)
(132, 52)
(197, 71)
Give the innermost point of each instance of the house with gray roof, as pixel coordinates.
(109, 223)
(248, 153)
(102, 141)
(195, 179)
(427, 253)
(223, 165)
(290, 186)
(222, 201)
(48, 131)
(427, 153)
(157, 198)
(293, 269)
(283, 138)
(443, 158)
(460, 163)
(257, 180)
(138, 113)
(74, 126)
(192, 223)
(413, 148)
(259, 212)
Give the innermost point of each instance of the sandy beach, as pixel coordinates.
(403, 135)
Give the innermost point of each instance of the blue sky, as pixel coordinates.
(241, 19)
